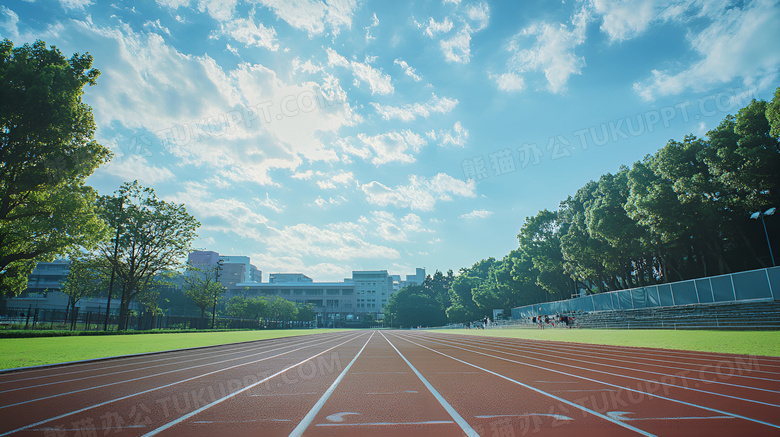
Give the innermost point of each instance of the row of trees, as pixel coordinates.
(681, 213)
(47, 151)
(264, 308)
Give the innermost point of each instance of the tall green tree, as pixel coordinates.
(201, 285)
(412, 306)
(85, 279)
(154, 236)
(47, 150)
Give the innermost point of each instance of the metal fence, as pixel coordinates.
(762, 284)
(40, 319)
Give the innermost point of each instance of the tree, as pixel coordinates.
(154, 236)
(201, 285)
(84, 280)
(412, 306)
(47, 150)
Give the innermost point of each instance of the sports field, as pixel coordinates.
(400, 383)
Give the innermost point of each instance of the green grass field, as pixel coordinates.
(733, 342)
(22, 352)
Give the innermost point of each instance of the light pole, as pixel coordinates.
(113, 268)
(214, 307)
(759, 214)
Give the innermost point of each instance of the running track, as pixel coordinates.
(398, 383)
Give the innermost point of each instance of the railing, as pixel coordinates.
(754, 285)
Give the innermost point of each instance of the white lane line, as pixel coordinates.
(637, 378)
(603, 383)
(249, 387)
(394, 392)
(470, 432)
(139, 369)
(181, 355)
(580, 360)
(616, 352)
(145, 377)
(620, 415)
(577, 406)
(431, 422)
(281, 394)
(304, 423)
(554, 416)
(149, 391)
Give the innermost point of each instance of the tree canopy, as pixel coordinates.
(47, 150)
(154, 236)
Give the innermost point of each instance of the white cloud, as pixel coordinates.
(740, 43)
(458, 48)
(457, 136)
(389, 228)
(220, 10)
(156, 25)
(340, 241)
(480, 14)
(374, 23)
(469, 20)
(409, 71)
(434, 28)
(337, 180)
(76, 4)
(240, 123)
(410, 112)
(626, 19)
(218, 213)
(9, 22)
(313, 15)
(136, 167)
(246, 31)
(509, 82)
(393, 146)
(477, 214)
(380, 83)
(173, 4)
(269, 203)
(552, 51)
(420, 194)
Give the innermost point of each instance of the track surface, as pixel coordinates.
(399, 383)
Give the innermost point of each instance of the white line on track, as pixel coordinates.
(430, 422)
(612, 366)
(155, 389)
(188, 359)
(219, 401)
(126, 361)
(560, 352)
(606, 349)
(147, 377)
(591, 380)
(454, 414)
(304, 423)
(542, 392)
(556, 363)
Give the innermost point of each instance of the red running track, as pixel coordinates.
(398, 383)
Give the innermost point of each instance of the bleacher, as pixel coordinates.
(755, 315)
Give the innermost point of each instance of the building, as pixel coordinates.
(281, 278)
(43, 291)
(416, 279)
(334, 302)
(373, 289)
(234, 269)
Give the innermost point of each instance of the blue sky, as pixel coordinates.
(325, 137)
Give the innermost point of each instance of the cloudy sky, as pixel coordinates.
(328, 136)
